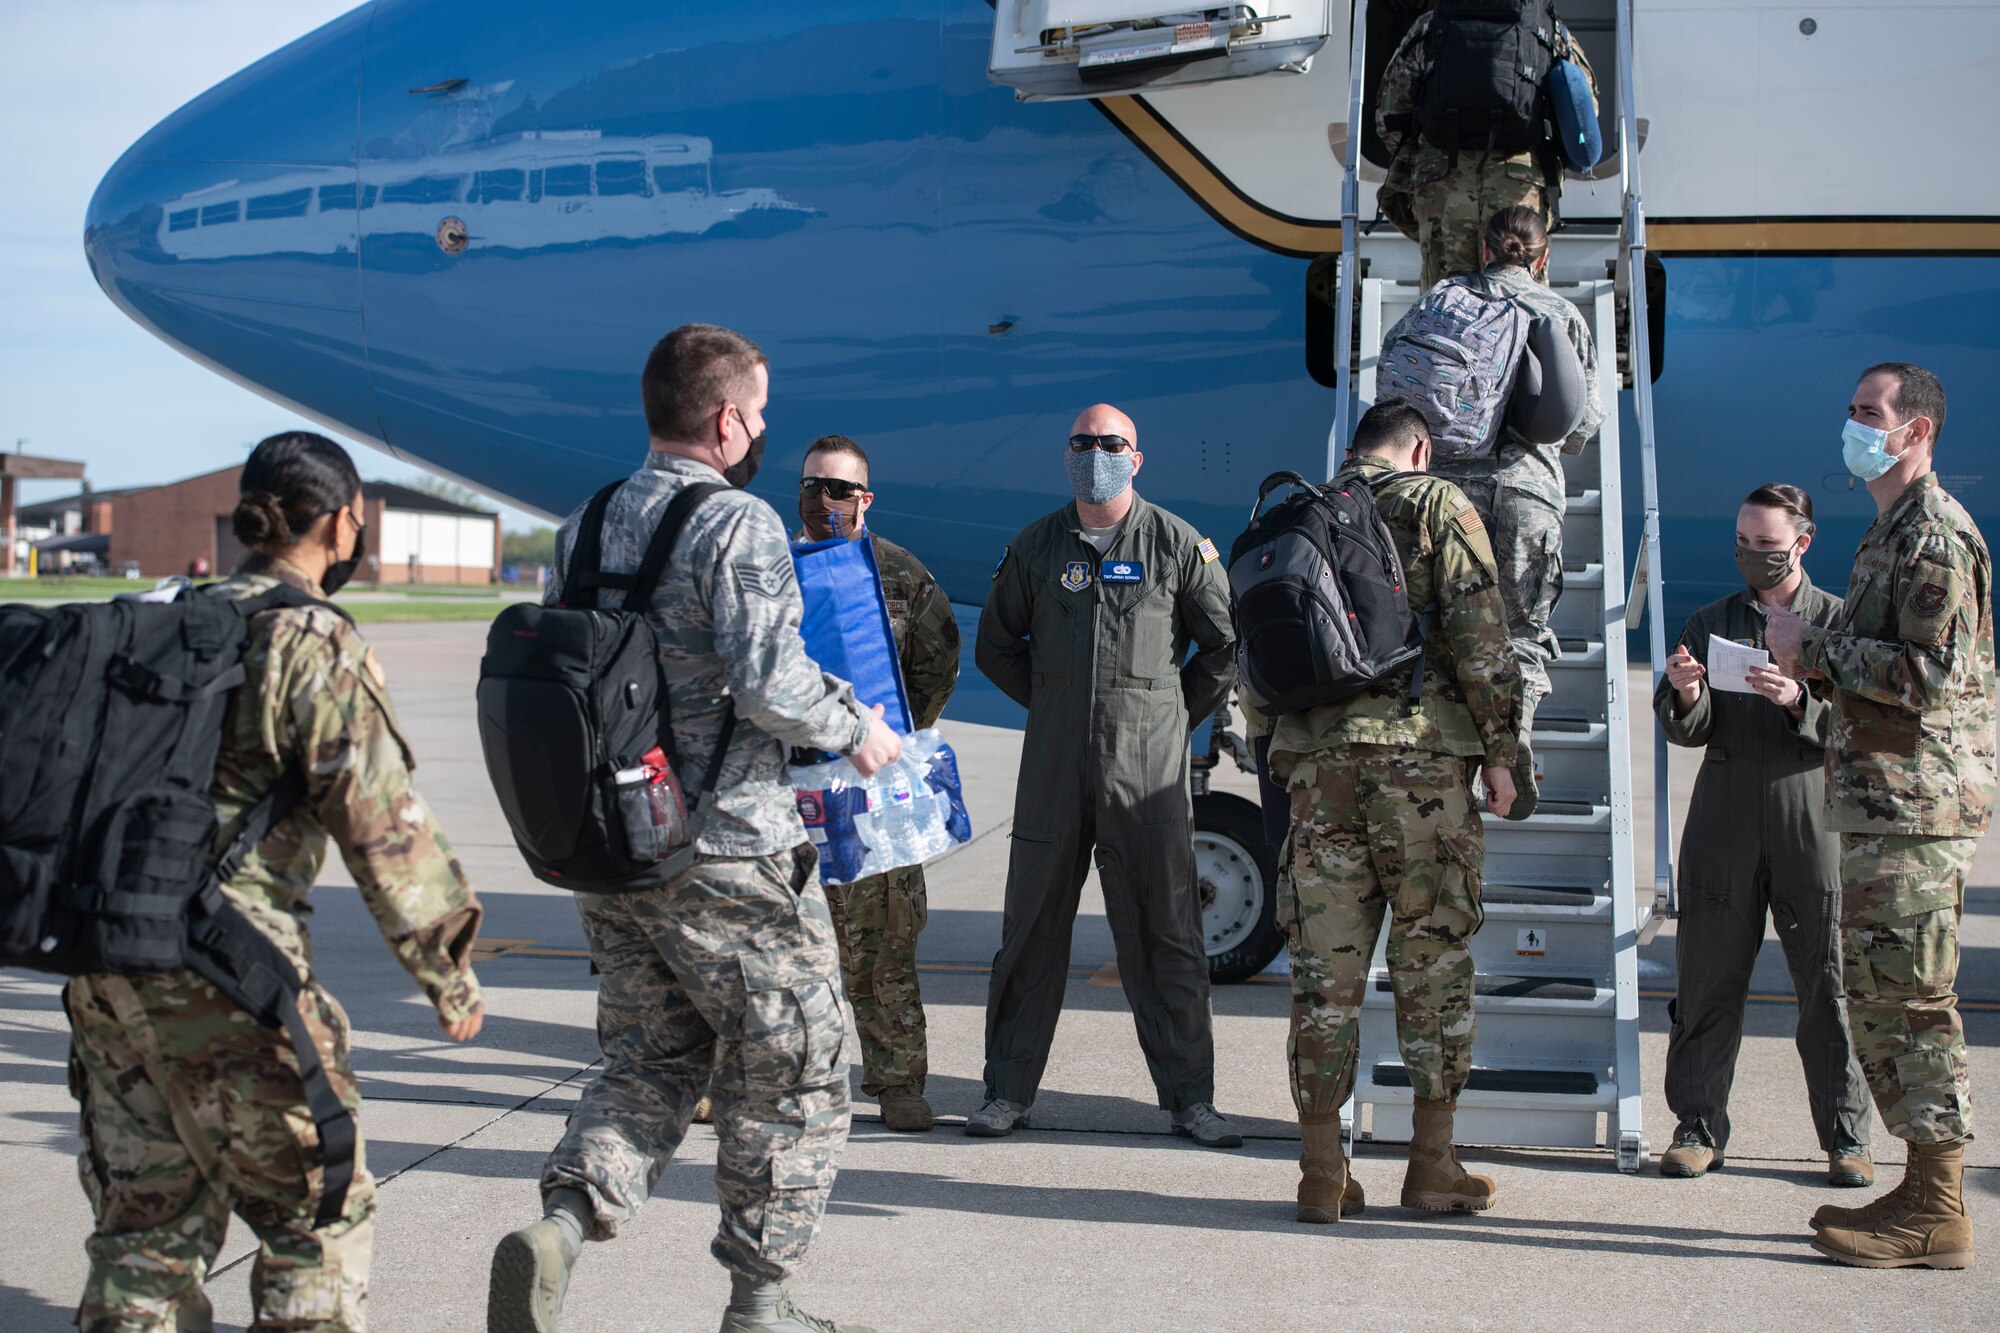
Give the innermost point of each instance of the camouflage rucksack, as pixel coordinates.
(1454, 359)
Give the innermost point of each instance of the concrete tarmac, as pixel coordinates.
(1096, 1219)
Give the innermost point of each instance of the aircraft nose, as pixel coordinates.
(230, 230)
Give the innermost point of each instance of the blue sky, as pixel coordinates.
(80, 80)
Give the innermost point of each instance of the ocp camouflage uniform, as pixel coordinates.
(1439, 202)
(1384, 820)
(1519, 491)
(880, 917)
(1910, 784)
(191, 1109)
(733, 967)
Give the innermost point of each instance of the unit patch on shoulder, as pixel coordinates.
(1207, 549)
(1076, 575)
(1929, 599)
(1005, 551)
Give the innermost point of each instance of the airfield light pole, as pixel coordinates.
(1350, 225)
(1639, 356)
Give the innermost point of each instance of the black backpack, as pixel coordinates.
(110, 721)
(572, 700)
(1316, 591)
(1484, 65)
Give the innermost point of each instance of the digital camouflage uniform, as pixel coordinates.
(1449, 201)
(191, 1109)
(880, 917)
(1383, 816)
(734, 967)
(1519, 491)
(1910, 783)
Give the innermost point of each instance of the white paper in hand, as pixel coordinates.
(1728, 663)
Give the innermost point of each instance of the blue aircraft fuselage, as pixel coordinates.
(456, 229)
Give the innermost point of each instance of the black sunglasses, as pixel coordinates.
(1110, 444)
(835, 488)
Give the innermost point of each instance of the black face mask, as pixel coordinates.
(740, 473)
(340, 571)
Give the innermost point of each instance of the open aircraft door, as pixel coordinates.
(1047, 50)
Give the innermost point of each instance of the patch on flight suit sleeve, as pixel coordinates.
(1005, 551)
(1207, 549)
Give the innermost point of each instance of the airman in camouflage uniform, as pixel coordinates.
(1384, 823)
(1441, 201)
(1910, 763)
(880, 917)
(726, 979)
(191, 1110)
(1519, 491)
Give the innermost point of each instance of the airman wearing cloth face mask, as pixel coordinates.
(1757, 844)
(879, 918)
(1088, 624)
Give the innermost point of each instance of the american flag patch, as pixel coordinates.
(1207, 549)
(1469, 523)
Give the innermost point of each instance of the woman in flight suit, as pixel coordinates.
(1756, 841)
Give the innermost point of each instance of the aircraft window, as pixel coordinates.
(691, 176)
(332, 197)
(423, 190)
(562, 182)
(290, 204)
(490, 187)
(214, 215)
(621, 176)
(184, 220)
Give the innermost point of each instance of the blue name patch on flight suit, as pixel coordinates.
(1076, 575)
(1122, 571)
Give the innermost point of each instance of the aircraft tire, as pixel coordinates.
(1237, 876)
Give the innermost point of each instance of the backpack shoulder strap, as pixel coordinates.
(244, 964)
(285, 595)
(583, 577)
(661, 547)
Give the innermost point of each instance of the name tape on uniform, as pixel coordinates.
(1122, 571)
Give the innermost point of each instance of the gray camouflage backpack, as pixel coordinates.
(1454, 358)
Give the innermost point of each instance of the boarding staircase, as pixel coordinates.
(1556, 1059)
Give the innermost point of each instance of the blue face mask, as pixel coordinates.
(1866, 449)
(1097, 477)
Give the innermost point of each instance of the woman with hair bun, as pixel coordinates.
(191, 1110)
(1756, 841)
(1518, 486)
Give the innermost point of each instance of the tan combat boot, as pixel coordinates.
(1868, 1214)
(1930, 1230)
(704, 1110)
(905, 1111)
(1435, 1181)
(1328, 1191)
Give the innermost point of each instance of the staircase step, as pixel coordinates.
(1496, 1085)
(1503, 986)
(1580, 896)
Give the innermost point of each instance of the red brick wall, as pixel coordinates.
(168, 526)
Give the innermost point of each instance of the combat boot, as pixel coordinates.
(1868, 1214)
(1930, 1230)
(1435, 1182)
(766, 1307)
(1328, 1190)
(704, 1110)
(905, 1111)
(524, 1292)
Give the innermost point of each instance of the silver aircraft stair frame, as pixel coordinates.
(1557, 1004)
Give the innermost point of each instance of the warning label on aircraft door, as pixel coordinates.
(1531, 942)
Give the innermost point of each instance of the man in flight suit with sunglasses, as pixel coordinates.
(1088, 626)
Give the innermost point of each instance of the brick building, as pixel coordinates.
(412, 537)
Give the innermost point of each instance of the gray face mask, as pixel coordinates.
(1097, 477)
(1764, 570)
